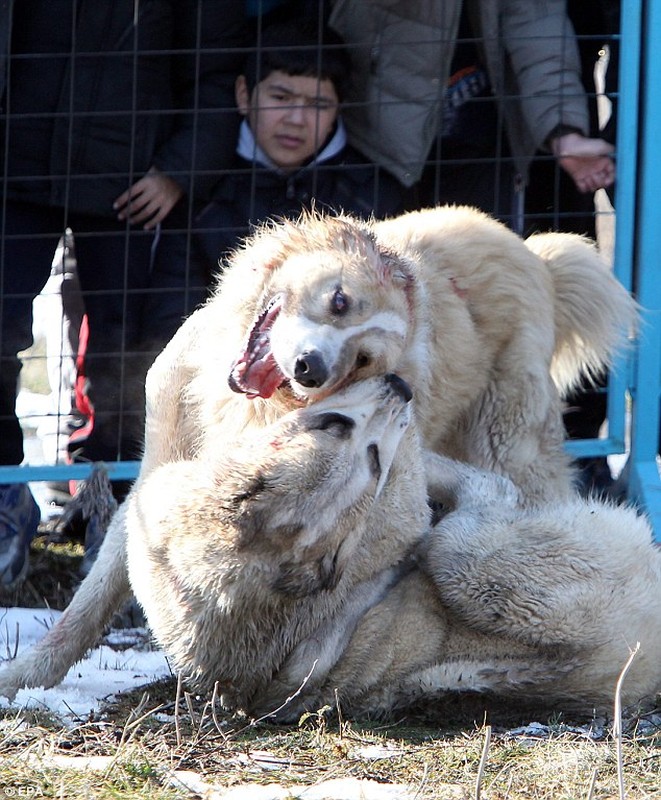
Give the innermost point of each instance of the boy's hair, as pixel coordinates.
(299, 47)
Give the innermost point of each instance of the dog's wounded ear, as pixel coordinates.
(392, 268)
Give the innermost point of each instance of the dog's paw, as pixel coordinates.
(11, 680)
(30, 670)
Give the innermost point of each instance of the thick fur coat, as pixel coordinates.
(485, 328)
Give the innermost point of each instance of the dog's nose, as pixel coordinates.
(399, 386)
(310, 370)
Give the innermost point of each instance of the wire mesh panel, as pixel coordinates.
(114, 123)
(110, 168)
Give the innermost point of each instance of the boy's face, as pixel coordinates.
(290, 116)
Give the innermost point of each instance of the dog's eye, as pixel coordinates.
(255, 487)
(339, 303)
(334, 423)
(374, 460)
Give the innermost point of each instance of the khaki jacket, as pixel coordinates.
(402, 51)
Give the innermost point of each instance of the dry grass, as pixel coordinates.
(133, 748)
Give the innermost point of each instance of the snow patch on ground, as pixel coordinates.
(104, 672)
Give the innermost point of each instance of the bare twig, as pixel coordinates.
(177, 700)
(423, 781)
(617, 721)
(593, 782)
(134, 718)
(12, 655)
(214, 714)
(134, 721)
(340, 722)
(286, 702)
(189, 706)
(483, 762)
(131, 726)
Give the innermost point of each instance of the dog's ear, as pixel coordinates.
(303, 578)
(260, 251)
(392, 268)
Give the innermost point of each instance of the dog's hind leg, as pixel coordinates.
(573, 575)
(79, 628)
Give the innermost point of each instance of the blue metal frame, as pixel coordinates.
(117, 471)
(640, 130)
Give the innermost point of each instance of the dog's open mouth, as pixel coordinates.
(255, 372)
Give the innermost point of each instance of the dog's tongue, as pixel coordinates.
(255, 372)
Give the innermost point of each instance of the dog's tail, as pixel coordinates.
(80, 627)
(595, 316)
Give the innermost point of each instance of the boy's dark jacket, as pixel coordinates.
(251, 193)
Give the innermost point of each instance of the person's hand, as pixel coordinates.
(587, 161)
(148, 200)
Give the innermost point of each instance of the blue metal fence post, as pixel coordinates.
(645, 483)
(620, 376)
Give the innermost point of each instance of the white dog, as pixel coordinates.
(487, 330)
(300, 563)
(484, 327)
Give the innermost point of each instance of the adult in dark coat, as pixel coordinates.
(113, 116)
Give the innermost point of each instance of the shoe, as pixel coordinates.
(19, 520)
